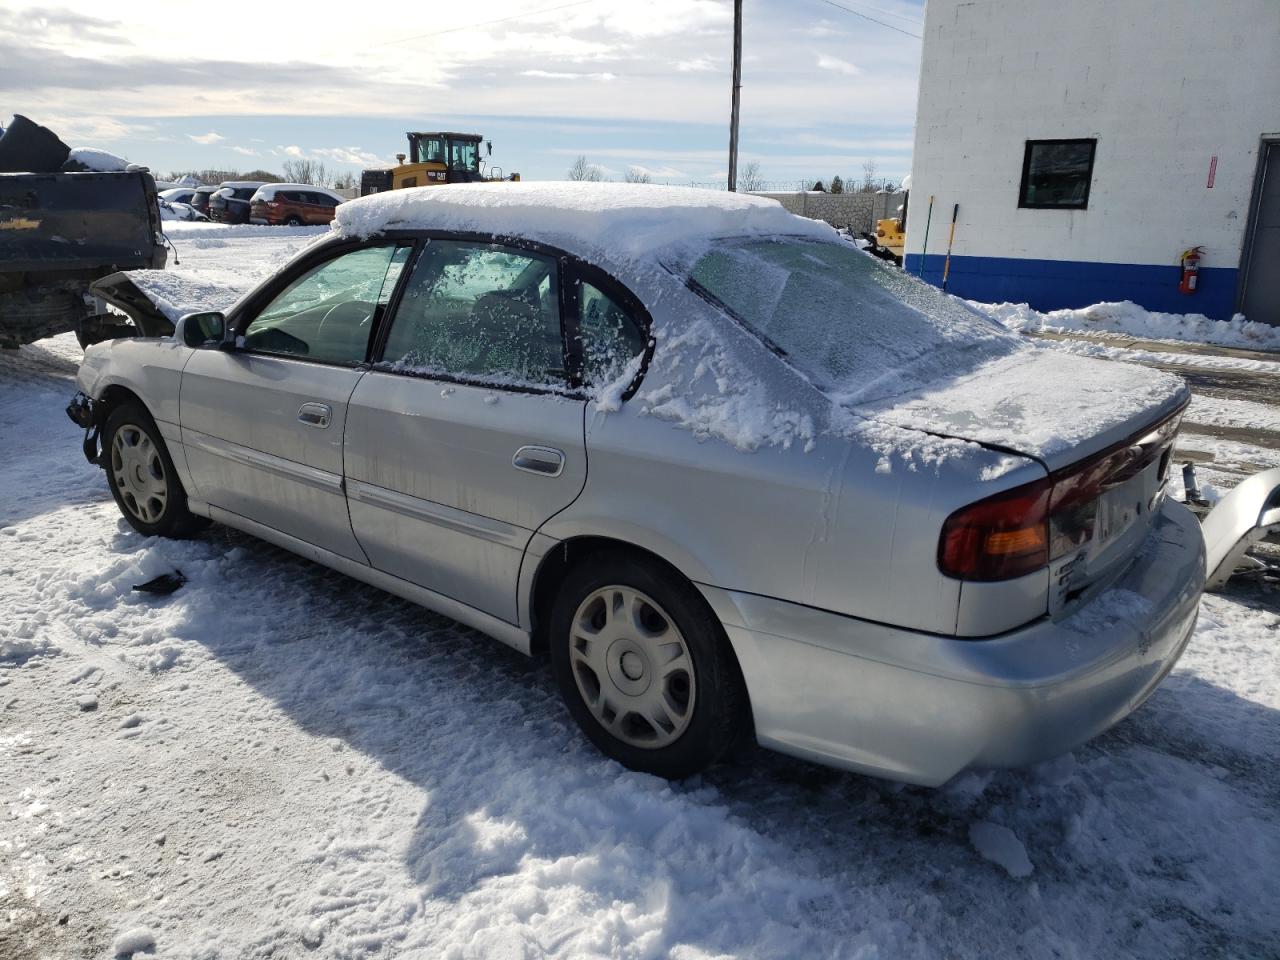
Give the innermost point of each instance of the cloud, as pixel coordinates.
(245, 151)
(827, 62)
(553, 75)
(352, 155)
(629, 78)
(206, 138)
(42, 25)
(292, 151)
(91, 127)
(660, 173)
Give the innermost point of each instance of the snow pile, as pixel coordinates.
(1001, 846)
(1094, 348)
(211, 233)
(1130, 319)
(1222, 412)
(98, 160)
(626, 222)
(133, 941)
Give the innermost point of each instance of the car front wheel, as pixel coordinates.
(142, 478)
(644, 667)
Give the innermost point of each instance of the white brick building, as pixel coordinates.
(1166, 115)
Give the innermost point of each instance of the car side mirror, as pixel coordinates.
(204, 329)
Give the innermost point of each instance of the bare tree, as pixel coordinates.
(215, 177)
(749, 179)
(582, 170)
(869, 168)
(307, 171)
(638, 175)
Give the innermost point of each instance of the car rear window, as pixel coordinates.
(853, 325)
(244, 193)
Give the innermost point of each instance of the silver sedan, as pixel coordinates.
(732, 475)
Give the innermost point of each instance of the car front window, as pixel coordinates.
(327, 314)
(850, 323)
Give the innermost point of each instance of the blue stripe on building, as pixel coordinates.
(1058, 284)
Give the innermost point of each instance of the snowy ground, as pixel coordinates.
(279, 762)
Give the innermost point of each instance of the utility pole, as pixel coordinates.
(737, 94)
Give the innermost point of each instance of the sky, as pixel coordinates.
(625, 84)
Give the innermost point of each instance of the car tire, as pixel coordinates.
(294, 221)
(142, 477)
(644, 666)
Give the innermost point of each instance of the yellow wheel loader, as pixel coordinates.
(435, 158)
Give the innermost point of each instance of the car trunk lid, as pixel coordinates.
(1103, 430)
(1038, 401)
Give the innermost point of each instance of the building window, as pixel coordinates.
(1056, 174)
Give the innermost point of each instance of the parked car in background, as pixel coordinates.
(230, 202)
(295, 204)
(178, 194)
(733, 475)
(200, 198)
(171, 210)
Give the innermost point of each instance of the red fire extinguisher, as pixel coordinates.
(1190, 261)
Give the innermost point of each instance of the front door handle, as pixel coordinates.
(315, 414)
(547, 461)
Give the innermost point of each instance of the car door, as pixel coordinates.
(466, 436)
(263, 424)
(316, 213)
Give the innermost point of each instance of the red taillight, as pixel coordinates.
(1021, 530)
(999, 538)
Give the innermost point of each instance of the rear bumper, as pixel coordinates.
(924, 708)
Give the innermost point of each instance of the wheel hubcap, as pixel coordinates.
(632, 667)
(139, 473)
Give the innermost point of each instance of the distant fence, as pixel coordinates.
(856, 211)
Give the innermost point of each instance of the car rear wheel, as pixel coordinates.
(294, 221)
(142, 478)
(644, 667)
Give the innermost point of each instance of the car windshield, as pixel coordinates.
(853, 325)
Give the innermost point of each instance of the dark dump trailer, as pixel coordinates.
(60, 231)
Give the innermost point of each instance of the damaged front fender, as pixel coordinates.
(85, 413)
(119, 290)
(1249, 513)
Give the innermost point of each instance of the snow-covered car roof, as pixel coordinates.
(622, 220)
(241, 184)
(269, 190)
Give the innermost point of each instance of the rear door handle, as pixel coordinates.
(547, 461)
(315, 414)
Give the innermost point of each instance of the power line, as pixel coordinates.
(914, 21)
(859, 13)
(488, 23)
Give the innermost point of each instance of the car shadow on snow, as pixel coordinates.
(763, 848)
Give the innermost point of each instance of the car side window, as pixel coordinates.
(483, 311)
(328, 313)
(611, 337)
